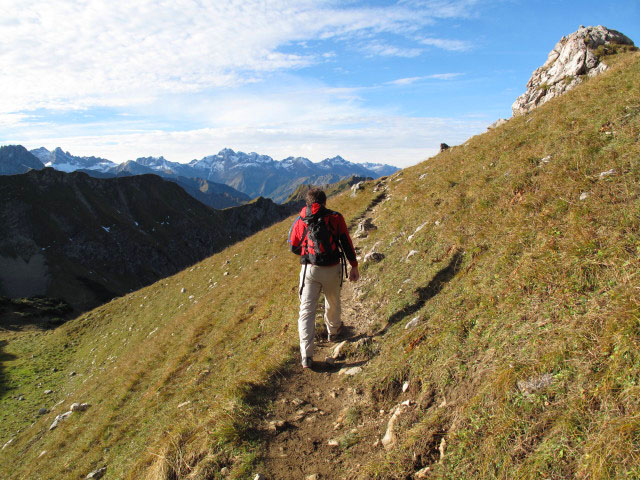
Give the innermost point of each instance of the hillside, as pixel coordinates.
(87, 240)
(517, 256)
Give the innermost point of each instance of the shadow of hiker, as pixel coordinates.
(325, 367)
(426, 293)
(4, 357)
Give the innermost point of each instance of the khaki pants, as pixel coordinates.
(326, 279)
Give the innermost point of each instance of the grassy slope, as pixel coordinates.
(537, 281)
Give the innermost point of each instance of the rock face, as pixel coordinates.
(573, 57)
(15, 159)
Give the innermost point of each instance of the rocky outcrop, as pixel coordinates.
(574, 57)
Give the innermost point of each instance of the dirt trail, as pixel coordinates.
(317, 406)
(320, 424)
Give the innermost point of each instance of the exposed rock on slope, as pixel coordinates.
(87, 240)
(573, 57)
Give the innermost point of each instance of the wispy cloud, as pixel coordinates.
(410, 80)
(447, 44)
(66, 54)
(387, 50)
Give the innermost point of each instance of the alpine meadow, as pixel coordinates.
(497, 322)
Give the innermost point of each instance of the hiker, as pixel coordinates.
(321, 238)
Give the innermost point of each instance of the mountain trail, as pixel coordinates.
(320, 425)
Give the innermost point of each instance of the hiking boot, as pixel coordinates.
(334, 337)
(307, 362)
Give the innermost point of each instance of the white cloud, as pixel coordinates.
(386, 50)
(310, 122)
(446, 44)
(410, 80)
(69, 54)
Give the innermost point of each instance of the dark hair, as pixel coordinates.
(316, 195)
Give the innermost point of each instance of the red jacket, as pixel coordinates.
(337, 225)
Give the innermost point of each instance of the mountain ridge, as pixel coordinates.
(250, 173)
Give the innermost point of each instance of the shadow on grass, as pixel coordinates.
(426, 293)
(4, 357)
(256, 398)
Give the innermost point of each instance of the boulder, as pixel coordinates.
(573, 57)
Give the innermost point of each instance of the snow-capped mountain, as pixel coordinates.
(381, 169)
(256, 174)
(250, 173)
(64, 161)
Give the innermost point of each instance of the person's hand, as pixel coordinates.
(354, 274)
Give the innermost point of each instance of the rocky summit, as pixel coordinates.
(574, 57)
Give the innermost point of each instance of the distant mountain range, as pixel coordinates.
(250, 173)
(87, 240)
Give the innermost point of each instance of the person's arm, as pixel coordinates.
(296, 234)
(347, 248)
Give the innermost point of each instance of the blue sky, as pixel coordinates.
(381, 81)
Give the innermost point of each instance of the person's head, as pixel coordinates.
(316, 195)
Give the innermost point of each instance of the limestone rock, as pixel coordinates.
(608, 173)
(533, 384)
(99, 473)
(333, 443)
(412, 323)
(572, 57)
(79, 407)
(373, 257)
(59, 418)
(584, 195)
(497, 123)
(276, 426)
(422, 473)
(364, 227)
(355, 188)
(337, 351)
(411, 254)
(350, 371)
(389, 438)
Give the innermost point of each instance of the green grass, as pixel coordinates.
(515, 277)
